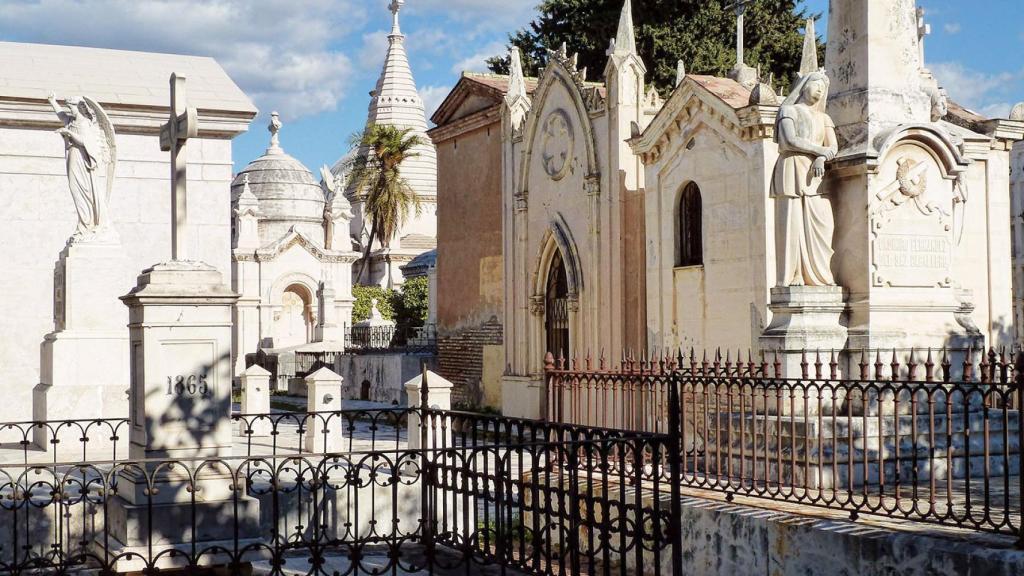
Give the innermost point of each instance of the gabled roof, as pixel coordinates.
(723, 95)
(727, 89)
(474, 92)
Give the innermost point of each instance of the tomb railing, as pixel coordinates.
(914, 436)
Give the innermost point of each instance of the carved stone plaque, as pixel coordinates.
(911, 221)
(556, 144)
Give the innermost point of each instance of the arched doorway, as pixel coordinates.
(294, 323)
(556, 308)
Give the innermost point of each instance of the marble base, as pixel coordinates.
(805, 319)
(84, 363)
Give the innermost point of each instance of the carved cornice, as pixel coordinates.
(139, 120)
(293, 237)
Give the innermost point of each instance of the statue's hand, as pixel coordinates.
(819, 167)
(51, 97)
(828, 153)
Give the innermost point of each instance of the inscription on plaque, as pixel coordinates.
(909, 260)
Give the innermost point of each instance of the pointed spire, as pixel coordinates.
(516, 82)
(625, 38)
(680, 72)
(809, 60)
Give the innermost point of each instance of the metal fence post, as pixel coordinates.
(426, 469)
(1018, 384)
(675, 449)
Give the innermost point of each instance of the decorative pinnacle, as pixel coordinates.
(680, 72)
(809, 60)
(274, 127)
(625, 37)
(395, 7)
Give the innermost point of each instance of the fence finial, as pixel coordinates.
(549, 362)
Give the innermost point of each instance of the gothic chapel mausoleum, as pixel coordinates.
(862, 211)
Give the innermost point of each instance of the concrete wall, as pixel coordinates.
(387, 374)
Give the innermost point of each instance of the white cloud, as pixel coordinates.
(996, 110)
(478, 61)
(951, 28)
(278, 51)
(501, 15)
(432, 97)
(974, 89)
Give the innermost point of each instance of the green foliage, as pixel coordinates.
(364, 299)
(407, 306)
(411, 304)
(375, 174)
(701, 33)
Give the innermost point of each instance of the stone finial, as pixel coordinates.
(1017, 113)
(625, 37)
(274, 127)
(809, 59)
(516, 81)
(680, 72)
(923, 29)
(764, 95)
(395, 7)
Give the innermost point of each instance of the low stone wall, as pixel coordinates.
(726, 539)
(384, 374)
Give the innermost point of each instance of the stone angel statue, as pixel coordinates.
(804, 222)
(91, 154)
(336, 206)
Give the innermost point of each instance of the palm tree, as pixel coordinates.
(375, 175)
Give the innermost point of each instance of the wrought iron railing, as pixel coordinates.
(473, 491)
(905, 440)
(399, 337)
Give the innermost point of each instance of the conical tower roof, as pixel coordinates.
(395, 101)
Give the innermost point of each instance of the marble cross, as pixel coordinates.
(923, 29)
(182, 125)
(740, 6)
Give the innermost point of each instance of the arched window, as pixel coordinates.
(556, 308)
(689, 239)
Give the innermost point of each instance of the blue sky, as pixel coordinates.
(316, 60)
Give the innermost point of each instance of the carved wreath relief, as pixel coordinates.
(556, 144)
(913, 222)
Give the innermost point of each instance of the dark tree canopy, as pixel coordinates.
(701, 33)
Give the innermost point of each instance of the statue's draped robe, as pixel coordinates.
(803, 217)
(83, 162)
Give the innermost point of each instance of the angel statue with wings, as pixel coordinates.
(91, 153)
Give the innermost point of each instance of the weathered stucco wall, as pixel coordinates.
(469, 271)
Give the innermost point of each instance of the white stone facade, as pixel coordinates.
(916, 271)
(38, 215)
(292, 257)
(572, 195)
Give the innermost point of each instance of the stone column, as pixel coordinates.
(324, 431)
(89, 323)
(439, 397)
(255, 383)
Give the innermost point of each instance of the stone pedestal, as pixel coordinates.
(805, 319)
(255, 383)
(180, 332)
(324, 432)
(439, 397)
(84, 361)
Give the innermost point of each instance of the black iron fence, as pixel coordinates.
(904, 440)
(398, 337)
(345, 492)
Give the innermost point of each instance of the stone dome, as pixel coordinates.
(288, 193)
